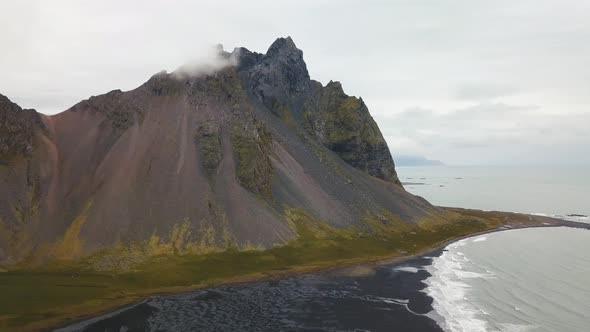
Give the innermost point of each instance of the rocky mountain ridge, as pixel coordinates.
(280, 80)
(196, 163)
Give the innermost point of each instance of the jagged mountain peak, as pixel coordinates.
(335, 86)
(4, 99)
(8, 105)
(283, 45)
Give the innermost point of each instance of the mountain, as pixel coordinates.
(411, 160)
(196, 162)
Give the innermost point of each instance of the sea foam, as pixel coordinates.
(450, 287)
(450, 290)
(480, 239)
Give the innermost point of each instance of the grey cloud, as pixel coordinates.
(475, 67)
(486, 131)
(482, 91)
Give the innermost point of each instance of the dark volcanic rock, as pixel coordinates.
(121, 111)
(20, 179)
(208, 139)
(252, 144)
(344, 125)
(17, 127)
(280, 80)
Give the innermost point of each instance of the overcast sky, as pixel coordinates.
(463, 81)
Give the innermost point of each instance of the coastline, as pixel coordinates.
(492, 282)
(339, 267)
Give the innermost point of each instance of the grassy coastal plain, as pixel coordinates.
(40, 296)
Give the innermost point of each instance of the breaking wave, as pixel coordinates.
(449, 289)
(506, 282)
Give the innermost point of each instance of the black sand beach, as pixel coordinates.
(362, 298)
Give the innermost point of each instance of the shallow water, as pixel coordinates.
(518, 280)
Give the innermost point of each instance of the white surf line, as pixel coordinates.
(480, 239)
(449, 290)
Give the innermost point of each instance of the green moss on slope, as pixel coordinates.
(343, 124)
(252, 145)
(208, 139)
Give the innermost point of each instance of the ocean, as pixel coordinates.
(556, 191)
(518, 280)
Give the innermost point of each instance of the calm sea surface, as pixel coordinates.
(547, 190)
(518, 280)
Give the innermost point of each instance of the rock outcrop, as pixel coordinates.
(280, 80)
(17, 127)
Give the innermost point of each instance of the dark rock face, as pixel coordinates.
(121, 111)
(252, 145)
(20, 181)
(280, 80)
(344, 125)
(17, 128)
(208, 139)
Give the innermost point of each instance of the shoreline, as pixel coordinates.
(306, 270)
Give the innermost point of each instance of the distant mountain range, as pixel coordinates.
(409, 160)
